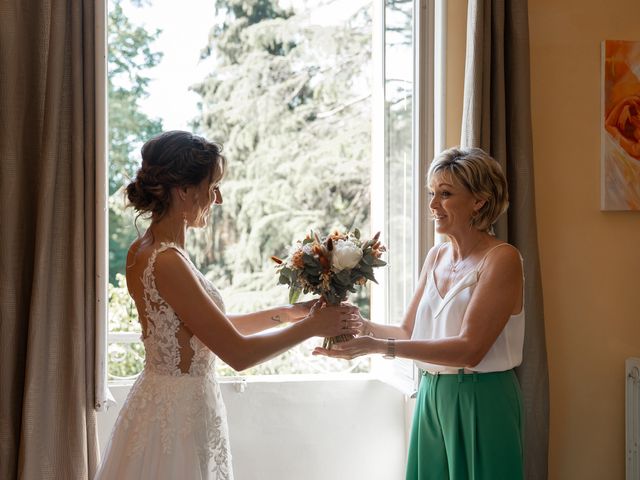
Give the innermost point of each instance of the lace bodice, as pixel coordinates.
(171, 349)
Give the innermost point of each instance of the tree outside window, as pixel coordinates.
(290, 99)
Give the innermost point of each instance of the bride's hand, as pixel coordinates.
(332, 320)
(353, 348)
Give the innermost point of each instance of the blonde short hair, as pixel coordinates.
(479, 173)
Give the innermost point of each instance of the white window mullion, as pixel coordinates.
(440, 76)
(379, 293)
(103, 397)
(427, 127)
(440, 95)
(428, 111)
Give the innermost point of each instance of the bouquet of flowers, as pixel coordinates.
(331, 266)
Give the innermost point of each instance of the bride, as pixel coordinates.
(173, 423)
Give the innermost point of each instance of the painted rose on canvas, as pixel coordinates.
(621, 125)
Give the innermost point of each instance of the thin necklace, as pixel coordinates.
(454, 266)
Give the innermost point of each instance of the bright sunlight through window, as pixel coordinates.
(286, 87)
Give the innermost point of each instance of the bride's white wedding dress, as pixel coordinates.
(173, 424)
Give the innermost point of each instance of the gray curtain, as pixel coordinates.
(497, 118)
(47, 420)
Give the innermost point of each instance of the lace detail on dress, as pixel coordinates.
(172, 410)
(160, 340)
(183, 412)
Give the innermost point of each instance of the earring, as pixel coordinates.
(472, 218)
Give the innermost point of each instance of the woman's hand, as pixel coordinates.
(332, 320)
(353, 348)
(366, 328)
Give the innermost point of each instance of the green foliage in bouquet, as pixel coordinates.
(331, 266)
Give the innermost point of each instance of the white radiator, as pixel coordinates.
(633, 417)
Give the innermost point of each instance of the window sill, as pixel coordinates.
(241, 382)
(292, 378)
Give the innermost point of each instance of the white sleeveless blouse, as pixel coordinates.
(439, 317)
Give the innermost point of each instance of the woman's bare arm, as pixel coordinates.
(181, 289)
(405, 329)
(255, 322)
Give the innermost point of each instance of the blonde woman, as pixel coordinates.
(464, 328)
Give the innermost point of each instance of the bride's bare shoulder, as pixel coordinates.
(137, 258)
(136, 250)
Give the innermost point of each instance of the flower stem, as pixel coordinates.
(329, 342)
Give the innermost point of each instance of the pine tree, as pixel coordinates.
(291, 103)
(129, 59)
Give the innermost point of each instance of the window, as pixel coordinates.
(314, 140)
(399, 156)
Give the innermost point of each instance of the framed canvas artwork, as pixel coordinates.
(620, 130)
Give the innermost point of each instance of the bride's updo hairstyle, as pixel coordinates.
(173, 159)
(481, 175)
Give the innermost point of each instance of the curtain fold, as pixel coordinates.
(47, 253)
(497, 118)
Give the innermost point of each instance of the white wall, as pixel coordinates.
(352, 428)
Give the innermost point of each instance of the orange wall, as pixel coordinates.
(590, 259)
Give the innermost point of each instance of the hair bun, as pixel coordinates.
(139, 196)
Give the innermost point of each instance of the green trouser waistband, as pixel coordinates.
(467, 426)
(462, 376)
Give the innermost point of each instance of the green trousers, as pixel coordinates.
(467, 427)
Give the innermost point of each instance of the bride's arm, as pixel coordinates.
(179, 287)
(248, 323)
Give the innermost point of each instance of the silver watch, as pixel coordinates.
(391, 349)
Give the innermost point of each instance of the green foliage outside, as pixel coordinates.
(290, 101)
(129, 59)
(125, 359)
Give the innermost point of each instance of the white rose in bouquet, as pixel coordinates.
(346, 255)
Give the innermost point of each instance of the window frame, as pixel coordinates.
(103, 397)
(429, 36)
(428, 137)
